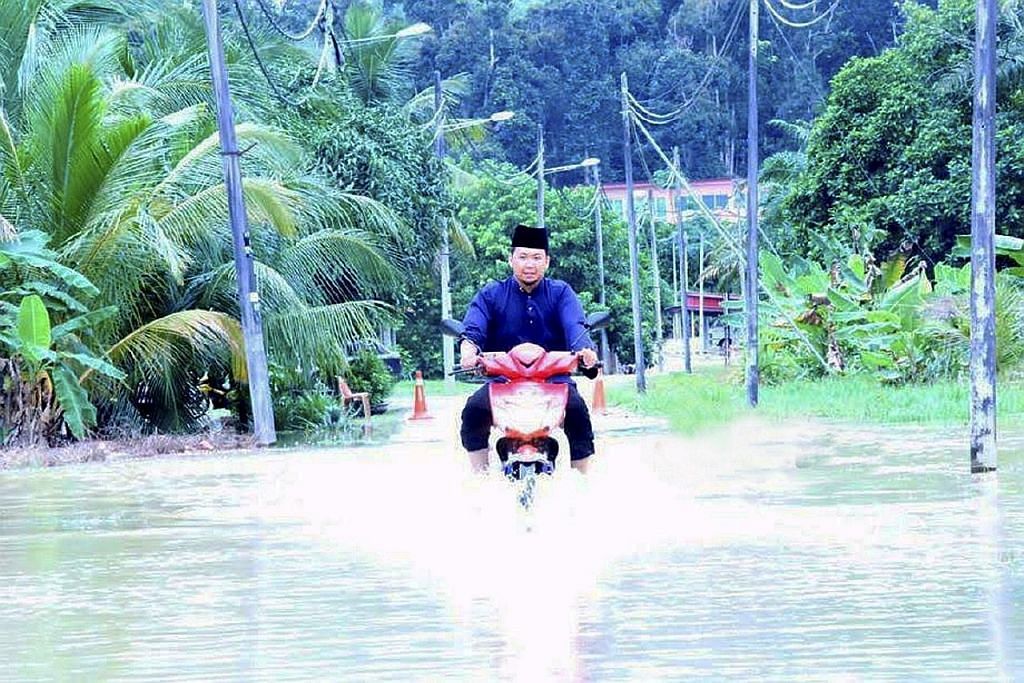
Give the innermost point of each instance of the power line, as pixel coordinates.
(259, 60)
(810, 77)
(726, 237)
(799, 24)
(294, 36)
(797, 7)
(698, 91)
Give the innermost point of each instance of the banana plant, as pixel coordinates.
(43, 363)
(42, 385)
(858, 315)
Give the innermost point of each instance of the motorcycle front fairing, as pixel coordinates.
(525, 407)
(528, 410)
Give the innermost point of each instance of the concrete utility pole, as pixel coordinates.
(684, 314)
(447, 346)
(606, 355)
(751, 289)
(248, 297)
(634, 265)
(700, 294)
(983, 222)
(659, 335)
(540, 175)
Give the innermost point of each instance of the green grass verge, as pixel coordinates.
(715, 396)
(433, 387)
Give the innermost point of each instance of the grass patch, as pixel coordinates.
(690, 403)
(433, 387)
(865, 400)
(715, 396)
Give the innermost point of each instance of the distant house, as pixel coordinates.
(718, 194)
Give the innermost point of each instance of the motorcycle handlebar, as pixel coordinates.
(476, 369)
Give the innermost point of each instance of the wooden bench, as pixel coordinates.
(348, 396)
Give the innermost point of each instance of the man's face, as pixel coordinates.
(528, 265)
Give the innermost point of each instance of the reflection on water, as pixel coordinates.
(764, 553)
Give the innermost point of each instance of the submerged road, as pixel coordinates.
(765, 552)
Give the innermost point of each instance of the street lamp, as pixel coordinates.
(408, 32)
(541, 172)
(496, 117)
(417, 29)
(448, 350)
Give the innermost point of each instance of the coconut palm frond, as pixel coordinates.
(351, 210)
(266, 201)
(421, 106)
(164, 86)
(88, 186)
(377, 67)
(12, 176)
(7, 230)
(338, 265)
(151, 352)
(127, 185)
(141, 277)
(218, 289)
(33, 31)
(271, 147)
(799, 131)
(320, 336)
(460, 239)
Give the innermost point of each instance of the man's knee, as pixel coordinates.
(578, 429)
(476, 420)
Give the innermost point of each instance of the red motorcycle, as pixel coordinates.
(525, 407)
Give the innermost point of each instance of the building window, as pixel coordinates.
(661, 207)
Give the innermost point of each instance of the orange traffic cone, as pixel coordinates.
(598, 405)
(419, 401)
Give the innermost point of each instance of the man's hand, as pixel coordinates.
(588, 357)
(469, 358)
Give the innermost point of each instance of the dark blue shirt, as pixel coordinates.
(502, 315)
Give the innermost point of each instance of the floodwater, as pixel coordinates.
(768, 552)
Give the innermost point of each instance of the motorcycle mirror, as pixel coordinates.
(452, 328)
(595, 321)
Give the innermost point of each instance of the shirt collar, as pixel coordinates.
(536, 290)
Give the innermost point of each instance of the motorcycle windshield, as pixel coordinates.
(529, 361)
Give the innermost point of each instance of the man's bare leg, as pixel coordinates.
(581, 465)
(478, 460)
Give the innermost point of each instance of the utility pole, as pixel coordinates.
(659, 335)
(606, 356)
(751, 289)
(248, 297)
(634, 265)
(447, 348)
(540, 175)
(983, 221)
(683, 261)
(700, 294)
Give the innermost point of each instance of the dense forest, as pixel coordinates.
(557, 64)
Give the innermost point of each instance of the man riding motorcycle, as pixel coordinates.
(527, 307)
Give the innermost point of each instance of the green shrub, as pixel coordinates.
(367, 372)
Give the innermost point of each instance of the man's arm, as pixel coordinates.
(577, 337)
(475, 330)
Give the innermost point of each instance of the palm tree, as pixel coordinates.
(118, 167)
(378, 63)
